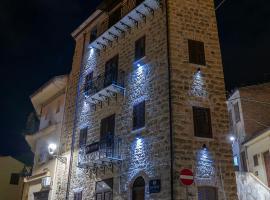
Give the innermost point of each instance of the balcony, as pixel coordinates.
(105, 86)
(107, 150)
(119, 22)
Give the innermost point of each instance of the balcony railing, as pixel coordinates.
(105, 150)
(130, 13)
(104, 85)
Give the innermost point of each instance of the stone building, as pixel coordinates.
(146, 99)
(48, 101)
(249, 123)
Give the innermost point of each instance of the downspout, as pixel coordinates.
(75, 121)
(170, 100)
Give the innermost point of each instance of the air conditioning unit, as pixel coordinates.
(46, 181)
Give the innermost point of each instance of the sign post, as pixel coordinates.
(186, 178)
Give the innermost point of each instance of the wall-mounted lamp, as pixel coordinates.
(52, 149)
(232, 138)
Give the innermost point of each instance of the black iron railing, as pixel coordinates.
(102, 81)
(114, 17)
(107, 149)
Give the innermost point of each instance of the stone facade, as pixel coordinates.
(166, 83)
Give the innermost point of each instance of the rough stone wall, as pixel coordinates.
(195, 19)
(147, 156)
(250, 187)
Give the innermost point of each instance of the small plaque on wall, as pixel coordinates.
(154, 186)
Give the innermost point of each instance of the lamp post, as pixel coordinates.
(52, 149)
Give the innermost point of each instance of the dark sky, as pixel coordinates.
(35, 45)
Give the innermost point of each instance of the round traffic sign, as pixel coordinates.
(186, 177)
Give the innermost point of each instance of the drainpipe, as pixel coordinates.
(170, 99)
(75, 120)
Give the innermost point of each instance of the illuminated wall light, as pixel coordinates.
(197, 86)
(232, 138)
(205, 167)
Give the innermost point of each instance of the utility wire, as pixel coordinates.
(220, 4)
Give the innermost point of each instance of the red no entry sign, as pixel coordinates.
(186, 177)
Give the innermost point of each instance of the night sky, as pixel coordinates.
(35, 45)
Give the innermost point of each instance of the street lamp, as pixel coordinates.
(52, 149)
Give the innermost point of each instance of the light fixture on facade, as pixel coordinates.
(232, 138)
(52, 149)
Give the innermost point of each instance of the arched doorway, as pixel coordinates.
(138, 189)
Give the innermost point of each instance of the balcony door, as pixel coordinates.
(111, 71)
(107, 136)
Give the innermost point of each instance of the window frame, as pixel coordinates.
(140, 51)
(83, 136)
(196, 52)
(138, 124)
(255, 160)
(198, 123)
(14, 179)
(236, 109)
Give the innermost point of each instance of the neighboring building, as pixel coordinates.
(249, 109)
(145, 100)
(49, 103)
(11, 182)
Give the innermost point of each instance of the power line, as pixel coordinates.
(220, 4)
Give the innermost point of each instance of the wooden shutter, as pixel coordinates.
(202, 122)
(196, 52)
(93, 34)
(83, 136)
(139, 115)
(107, 127)
(115, 16)
(140, 48)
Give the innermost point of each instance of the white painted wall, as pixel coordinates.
(258, 148)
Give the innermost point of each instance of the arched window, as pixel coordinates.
(207, 193)
(138, 189)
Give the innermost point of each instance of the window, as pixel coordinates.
(78, 195)
(140, 48)
(202, 122)
(196, 52)
(83, 137)
(107, 127)
(139, 115)
(230, 120)
(104, 189)
(14, 179)
(58, 107)
(207, 193)
(93, 34)
(138, 189)
(115, 16)
(255, 160)
(111, 71)
(235, 161)
(236, 112)
(88, 84)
